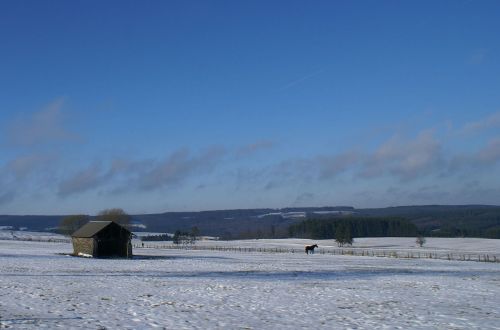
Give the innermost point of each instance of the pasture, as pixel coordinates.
(211, 289)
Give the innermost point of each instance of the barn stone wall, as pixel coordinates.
(129, 249)
(83, 245)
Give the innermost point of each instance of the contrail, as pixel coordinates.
(298, 81)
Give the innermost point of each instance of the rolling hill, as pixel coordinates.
(432, 220)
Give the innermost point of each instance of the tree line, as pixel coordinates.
(179, 237)
(348, 227)
(72, 223)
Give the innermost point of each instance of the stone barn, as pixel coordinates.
(102, 239)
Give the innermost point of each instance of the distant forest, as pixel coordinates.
(358, 227)
(447, 220)
(430, 221)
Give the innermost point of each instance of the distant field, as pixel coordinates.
(438, 246)
(472, 245)
(187, 289)
(478, 249)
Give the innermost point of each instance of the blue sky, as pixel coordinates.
(158, 106)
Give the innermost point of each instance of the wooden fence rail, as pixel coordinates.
(349, 252)
(34, 239)
(345, 251)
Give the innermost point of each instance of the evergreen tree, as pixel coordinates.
(72, 223)
(339, 235)
(420, 240)
(195, 232)
(177, 237)
(358, 227)
(343, 234)
(348, 235)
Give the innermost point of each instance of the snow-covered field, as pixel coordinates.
(185, 289)
(6, 234)
(400, 244)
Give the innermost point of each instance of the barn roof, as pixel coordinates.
(93, 227)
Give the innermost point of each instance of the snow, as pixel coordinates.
(469, 248)
(284, 214)
(138, 225)
(40, 287)
(30, 235)
(327, 212)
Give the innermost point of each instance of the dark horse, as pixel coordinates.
(311, 248)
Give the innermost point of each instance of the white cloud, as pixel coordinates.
(86, 179)
(478, 56)
(131, 175)
(490, 153)
(331, 166)
(483, 124)
(6, 197)
(406, 159)
(44, 126)
(179, 166)
(484, 157)
(24, 166)
(252, 148)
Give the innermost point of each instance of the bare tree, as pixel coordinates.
(116, 215)
(72, 223)
(420, 240)
(195, 232)
(183, 238)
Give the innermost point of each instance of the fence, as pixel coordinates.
(346, 252)
(34, 239)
